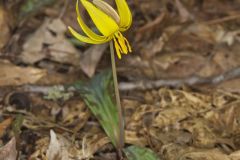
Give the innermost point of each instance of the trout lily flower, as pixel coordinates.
(109, 23)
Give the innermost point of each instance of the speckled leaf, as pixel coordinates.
(98, 95)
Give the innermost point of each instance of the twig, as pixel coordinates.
(63, 11)
(221, 20)
(144, 85)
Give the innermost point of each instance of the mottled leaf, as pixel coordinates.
(98, 95)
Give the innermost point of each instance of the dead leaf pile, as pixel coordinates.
(178, 42)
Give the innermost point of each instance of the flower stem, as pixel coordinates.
(117, 95)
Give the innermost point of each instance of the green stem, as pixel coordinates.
(120, 113)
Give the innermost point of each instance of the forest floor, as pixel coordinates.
(180, 87)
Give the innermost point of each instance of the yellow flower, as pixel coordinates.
(108, 22)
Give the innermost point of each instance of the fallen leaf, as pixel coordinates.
(213, 154)
(15, 75)
(230, 86)
(49, 42)
(56, 149)
(9, 152)
(90, 59)
(5, 29)
(235, 155)
(4, 125)
(184, 14)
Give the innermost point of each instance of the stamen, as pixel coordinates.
(118, 49)
(121, 41)
(128, 45)
(121, 44)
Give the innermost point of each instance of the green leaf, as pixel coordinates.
(139, 153)
(98, 95)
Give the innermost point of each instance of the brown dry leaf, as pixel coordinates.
(135, 138)
(40, 149)
(230, 86)
(5, 29)
(173, 151)
(225, 120)
(180, 105)
(155, 46)
(172, 106)
(235, 155)
(9, 152)
(14, 75)
(203, 135)
(170, 65)
(229, 37)
(149, 27)
(177, 152)
(90, 59)
(49, 42)
(61, 147)
(57, 149)
(91, 144)
(227, 59)
(212, 154)
(211, 33)
(75, 114)
(184, 14)
(4, 125)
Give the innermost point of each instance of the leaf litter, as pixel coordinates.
(179, 41)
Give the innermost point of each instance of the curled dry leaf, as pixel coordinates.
(9, 152)
(61, 148)
(225, 120)
(56, 149)
(213, 154)
(135, 138)
(14, 75)
(91, 144)
(5, 28)
(185, 15)
(49, 42)
(4, 125)
(90, 59)
(203, 135)
(75, 114)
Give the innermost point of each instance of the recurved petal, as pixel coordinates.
(105, 24)
(86, 29)
(125, 14)
(105, 7)
(84, 38)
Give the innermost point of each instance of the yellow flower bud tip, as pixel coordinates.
(109, 22)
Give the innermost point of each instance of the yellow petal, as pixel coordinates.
(84, 38)
(125, 14)
(105, 24)
(86, 29)
(106, 8)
